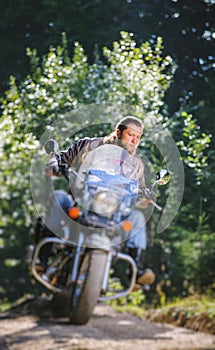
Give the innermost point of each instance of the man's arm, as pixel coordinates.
(81, 146)
(140, 168)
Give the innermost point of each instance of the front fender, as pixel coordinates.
(97, 241)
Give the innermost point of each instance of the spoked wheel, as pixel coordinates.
(88, 286)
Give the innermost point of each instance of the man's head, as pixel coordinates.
(128, 131)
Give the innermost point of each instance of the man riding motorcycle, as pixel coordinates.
(127, 135)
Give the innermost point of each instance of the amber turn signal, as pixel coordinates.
(74, 212)
(127, 225)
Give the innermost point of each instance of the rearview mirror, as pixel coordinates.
(162, 177)
(51, 146)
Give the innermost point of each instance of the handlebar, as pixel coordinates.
(149, 195)
(54, 169)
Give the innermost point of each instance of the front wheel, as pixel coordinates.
(88, 286)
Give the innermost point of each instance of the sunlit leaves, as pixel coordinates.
(142, 73)
(194, 143)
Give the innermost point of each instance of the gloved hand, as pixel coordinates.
(149, 194)
(145, 198)
(52, 167)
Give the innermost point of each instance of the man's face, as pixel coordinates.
(130, 137)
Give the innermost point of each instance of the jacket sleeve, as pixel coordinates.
(142, 183)
(141, 172)
(81, 146)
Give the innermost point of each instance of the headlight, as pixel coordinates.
(105, 203)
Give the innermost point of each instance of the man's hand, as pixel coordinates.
(52, 167)
(149, 194)
(146, 196)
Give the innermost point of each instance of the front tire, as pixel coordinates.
(88, 286)
(60, 304)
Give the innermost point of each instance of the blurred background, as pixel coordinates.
(158, 57)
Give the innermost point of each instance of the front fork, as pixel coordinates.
(102, 242)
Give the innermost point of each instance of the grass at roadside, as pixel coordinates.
(194, 305)
(196, 312)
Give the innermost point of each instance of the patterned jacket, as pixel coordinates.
(77, 152)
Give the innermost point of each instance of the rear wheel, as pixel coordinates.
(88, 286)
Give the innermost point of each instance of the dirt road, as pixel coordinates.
(107, 330)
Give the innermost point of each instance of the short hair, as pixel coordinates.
(130, 119)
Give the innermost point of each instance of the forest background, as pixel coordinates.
(157, 57)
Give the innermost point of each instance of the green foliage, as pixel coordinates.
(141, 73)
(194, 144)
(189, 260)
(193, 305)
(134, 299)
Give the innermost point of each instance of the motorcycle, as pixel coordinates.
(80, 266)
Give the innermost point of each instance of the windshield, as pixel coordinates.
(107, 168)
